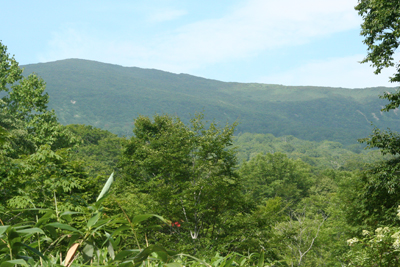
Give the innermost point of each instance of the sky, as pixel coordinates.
(289, 42)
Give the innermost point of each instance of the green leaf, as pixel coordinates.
(88, 250)
(106, 187)
(110, 249)
(100, 224)
(34, 250)
(93, 220)
(159, 250)
(125, 253)
(126, 264)
(12, 263)
(72, 239)
(261, 260)
(142, 217)
(3, 229)
(120, 229)
(173, 264)
(66, 213)
(44, 218)
(31, 231)
(242, 261)
(230, 261)
(63, 226)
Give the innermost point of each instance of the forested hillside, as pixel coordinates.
(110, 97)
(319, 155)
(187, 192)
(285, 185)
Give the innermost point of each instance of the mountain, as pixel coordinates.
(111, 96)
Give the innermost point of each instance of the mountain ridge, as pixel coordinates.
(110, 96)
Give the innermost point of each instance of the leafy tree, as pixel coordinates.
(275, 175)
(99, 149)
(189, 172)
(297, 236)
(34, 159)
(378, 191)
(381, 30)
(256, 230)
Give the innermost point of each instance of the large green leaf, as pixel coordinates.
(34, 250)
(66, 213)
(30, 231)
(110, 250)
(125, 253)
(142, 217)
(106, 187)
(44, 218)
(120, 229)
(12, 263)
(88, 250)
(63, 226)
(3, 229)
(261, 260)
(93, 220)
(230, 261)
(159, 250)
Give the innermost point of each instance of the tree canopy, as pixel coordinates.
(379, 190)
(189, 171)
(34, 157)
(381, 29)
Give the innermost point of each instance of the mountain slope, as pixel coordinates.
(110, 97)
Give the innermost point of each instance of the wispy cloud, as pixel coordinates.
(256, 26)
(344, 72)
(250, 28)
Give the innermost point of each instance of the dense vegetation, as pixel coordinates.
(110, 97)
(190, 193)
(178, 186)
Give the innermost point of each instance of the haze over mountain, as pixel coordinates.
(111, 96)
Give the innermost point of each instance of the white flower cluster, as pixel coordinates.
(351, 241)
(365, 232)
(396, 236)
(396, 243)
(380, 233)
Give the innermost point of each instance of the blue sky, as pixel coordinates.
(289, 42)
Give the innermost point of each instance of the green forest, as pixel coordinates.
(198, 192)
(110, 97)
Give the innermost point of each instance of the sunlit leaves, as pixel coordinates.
(189, 173)
(381, 29)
